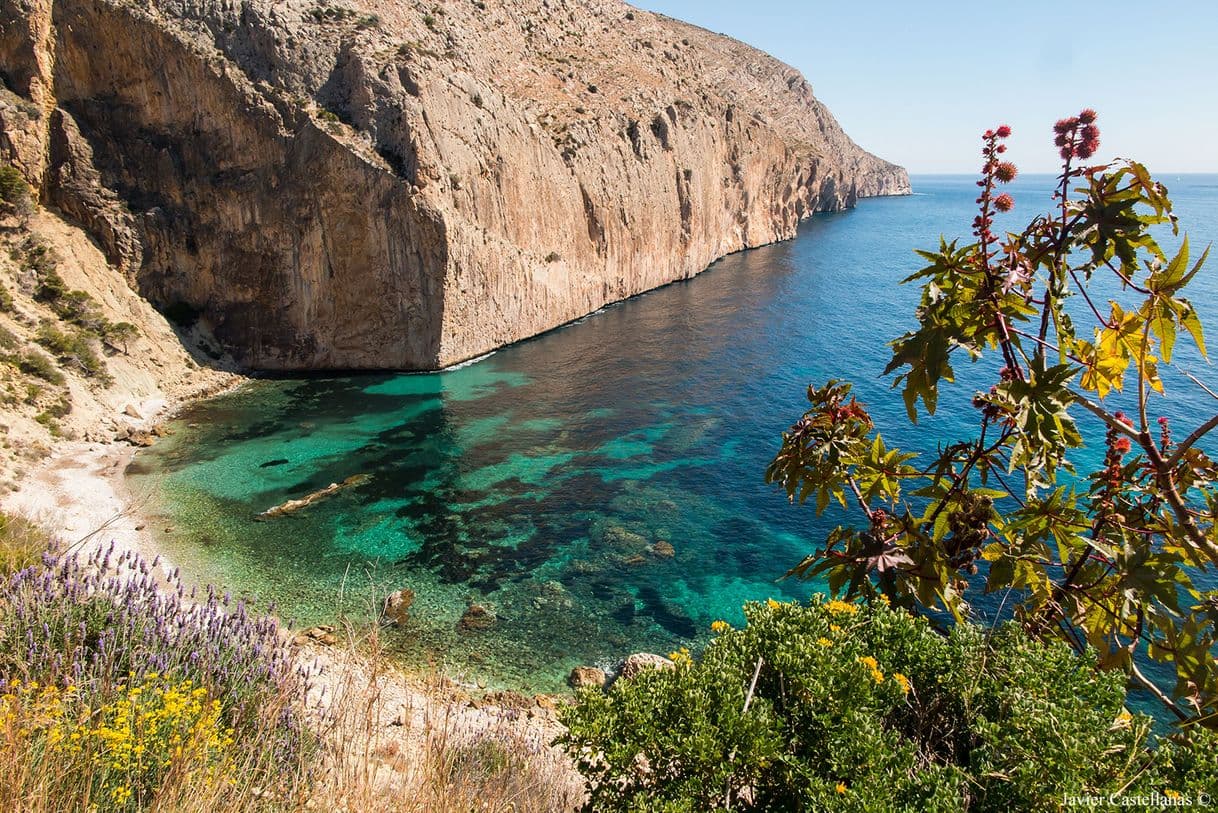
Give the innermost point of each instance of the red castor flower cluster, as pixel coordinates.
(993, 171)
(1077, 136)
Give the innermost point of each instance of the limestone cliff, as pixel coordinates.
(399, 184)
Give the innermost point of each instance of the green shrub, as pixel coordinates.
(868, 708)
(34, 363)
(50, 287)
(14, 191)
(119, 334)
(48, 420)
(74, 348)
(38, 256)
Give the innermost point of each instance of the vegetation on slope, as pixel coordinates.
(846, 706)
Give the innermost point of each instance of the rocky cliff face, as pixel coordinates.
(399, 184)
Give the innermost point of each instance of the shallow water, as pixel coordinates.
(539, 480)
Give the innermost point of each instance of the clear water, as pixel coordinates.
(538, 480)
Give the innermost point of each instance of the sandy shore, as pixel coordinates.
(79, 492)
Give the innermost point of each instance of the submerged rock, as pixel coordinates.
(583, 676)
(322, 634)
(477, 618)
(663, 549)
(642, 661)
(292, 506)
(623, 539)
(397, 606)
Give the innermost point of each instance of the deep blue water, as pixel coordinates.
(538, 480)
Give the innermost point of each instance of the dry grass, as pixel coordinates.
(22, 543)
(415, 746)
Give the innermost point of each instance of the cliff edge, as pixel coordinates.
(396, 184)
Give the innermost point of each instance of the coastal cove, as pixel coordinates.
(600, 487)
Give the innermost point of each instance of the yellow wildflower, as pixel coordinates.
(841, 787)
(839, 607)
(720, 626)
(872, 664)
(772, 604)
(902, 681)
(834, 628)
(1171, 794)
(824, 642)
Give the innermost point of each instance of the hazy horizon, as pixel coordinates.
(916, 84)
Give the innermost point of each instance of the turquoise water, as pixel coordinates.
(539, 480)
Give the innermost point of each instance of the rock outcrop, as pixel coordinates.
(640, 662)
(395, 184)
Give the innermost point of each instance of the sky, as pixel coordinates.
(916, 82)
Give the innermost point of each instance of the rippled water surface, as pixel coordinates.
(543, 480)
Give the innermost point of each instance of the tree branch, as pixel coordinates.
(1184, 446)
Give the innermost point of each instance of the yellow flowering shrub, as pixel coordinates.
(118, 752)
(839, 607)
(786, 713)
(874, 667)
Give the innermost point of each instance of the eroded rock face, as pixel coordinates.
(380, 184)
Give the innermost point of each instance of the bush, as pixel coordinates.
(73, 348)
(121, 693)
(14, 191)
(50, 287)
(868, 708)
(34, 363)
(119, 334)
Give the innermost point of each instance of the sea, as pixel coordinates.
(600, 488)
